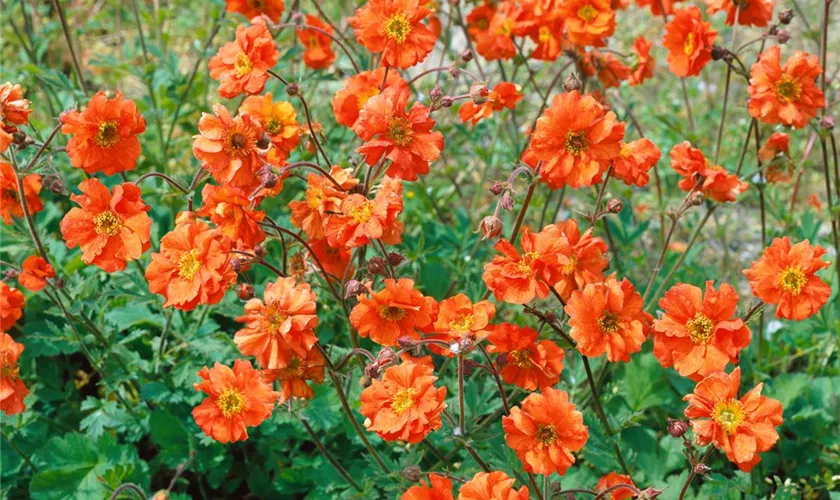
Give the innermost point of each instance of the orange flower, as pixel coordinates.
(394, 28)
(611, 72)
(11, 306)
(439, 488)
(785, 94)
(243, 64)
(35, 272)
(280, 326)
(545, 432)
(588, 22)
(689, 41)
(644, 64)
(494, 28)
(322, 197)
(748, 13)
(104, 134)
(278, 120)
(111, 229)
(231, 210)
(657, 5)
(317, 52)
(398, 310)
(608, 317)
(785, 275)
(585, 259)
(405, 405)
(697, 335)
(293, 377)
(12, 388)
(227, 147)
(458, 318)
(10, 203)
(743, 427)
(776, 151)
(504, 95)
(14, 110)
(404, 137)
(193, 266)
(236, 399)
(715, 182)
(350, 99)
(614, 479)
(361, 220)
(815, 202)
(335, 260)
(526, 363)
(273, 9)
(634, 161)
(576, 139)
(548, 38)
(492, 486)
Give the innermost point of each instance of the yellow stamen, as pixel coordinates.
(521, 358)
(576, 142)
(400, 131)
(403, 400)
(787, 89)
(397, 28)
(189, 265)
(107, 134)
(107, 223)
(688, 45)
(362, 213)
(608, 322)
(700, 329)
(546, 434)
(230, 402)
(242, 65)
(391, 313)
(462, 323)
(729, 414)
(587, 13)
(792, 279)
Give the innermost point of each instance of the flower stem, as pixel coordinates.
(336, 465)
(69, 40)
(602, 416)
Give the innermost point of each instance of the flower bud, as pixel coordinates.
(376, 265)
(677, 428)
(828, 122)
(412, 473)
(365, 381)
(245, 291)
(264, 142)
(786, 16)
(10, 274)
(298, 18)
(650, 493)
(572, 82)
(479, 93)
(701, 469)
(259, 251)
(405, 342)
(614, 206)
(54, 183)
(506, 201)
(446, 102)
(772, 30)
(353, 288)
(236, 265)
(58, 283)
(497, 188)
(372, 370)
(386, 355)
(490, 226)
(436, 93)
(467, 55)
(696, 199)
(395, 258)
(782, 36)
(293, 89)
(269, 180)
(718, 53)
(454, 72)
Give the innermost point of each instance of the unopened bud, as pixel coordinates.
(501, 360)
(772, 30)
(264, 142)
(783, 36)
(467, 55)
(614, 206)
(405, 342)
(236, 265)
(677, 428)
(786, 16)
(412, 473)
(245, 291)
(20, 139)
(10, 274)
(572, 82)
(828, 122)
(479, 93)
(58, 283)
(386, 355)
(293, 89)
(696, 199)
(269, 179)
(259, 251)
(353, 288)
(376, 265)
(446, 102)
(365, 381)
(395, 258)
(718, 53)
(54, 184)
(650, 493)
(497, 188)
(490, 226)
(436, 93)
(550, 317)
(506, 201)
(372, 370)
(298, 18)
(701, 469)
(454, 72)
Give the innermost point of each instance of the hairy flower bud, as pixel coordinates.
(828, 122)
(412, 473)
(293, 89)
(236, 265)
(395, 258)
(786, 16)
(467, 55)
(386, 355)
(353, 288)
(650, 493)
(373, 370)
(446, 102)
(264, 142)
(405, 342)
(10, 274)
(718, 53)
(696, 199)
(701, 469)
(479, 93)
(54, 183)
(436, 93)
(376, 265)
(497, 188)
(454, 72)
(614, 206)
(490, 226)
(677, 428)
(507, 201)
(269, 179)
(259, 251)
(782, 36)
(245, 291)
(572, 82)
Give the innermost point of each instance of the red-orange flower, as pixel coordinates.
(273, 9)
(335, 260)
(236, 399)
(576, 139)
(457, 318)
(526, 363)
(398, 310)
(35, 272)
(608, 317)
(361, 220)
(743, 427)
(14, 110)
(585, 259)
(280, 325)
(545, 432)
(785, 275)
(10, 203)
(588, 22)
(227, 147)
(111, 229)
(547, 34)
(349, 100)
(12, 388)
(293, 377)
(715, 182)
(404, 137)
(439, 488)
(322, 198)
(776, 152)
(394, 28)
(104, 134)
(405, 405)
(235, 215)
(644, 64)
(785, 94)
(634, 161)
(11, 306)
(610, 70)
(776, 145)
(243, 64)
(193, 266)
(504, 95)
(492, 486)
(656, 6)
(278, 120)
(689, 41)
(746, 12)
(699, 335)
(317, 51)
(614, 479)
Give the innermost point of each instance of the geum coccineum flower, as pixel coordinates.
(272, 9)
(11, 306)
(492, 27)
(104, 134)
(699, 173)
(243, 64)
(545, 431)
(494, 485)
(335, 260)
(227, 147)
(459, 318)
(526, 362)
(396, 29)
(699, 335)
(614, 479)
(111, 229)
(12, 388)
(398, 310)
(294, 375)
(35, 272)
(235, 215)
(403, 137)
(504, 95)
(689, 41)
(14, 110)
(776, 152)
(588, 22)
(236, 399)
(321, 198)
(785, 275)
(278, 120)
(10, 198)
(634, 161)
(192, 267)
(361, 220)
(575, 139)
(585, 258)
(610, 70)
(643, 64)
(405, 405)
(785, 94)
(743, 427)
(280, 325)
(439, 488)
(317, 49)
(744, 12)
(608, 317)
(358, 89)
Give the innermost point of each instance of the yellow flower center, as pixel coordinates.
(462, 323)
(546, 434)
(506, 28)
(107, 134)
(188, 265)
(397, 28)
(688, 44)
(8, 369)
(729, 414)
(230, 402)
(363, 97)
(400, 131)
(314, 197)
(273, 319)
(242, 65)
(587, 13)
(787, 89)
(521, 358)
(792, 279)
(363, 212)
(608, 322)
(391, 313)
(107, 223)
(273, 126)
(626, 150)
(700, 328)
(294, 369)
(545, 34)
(403, 400)
(576, 142)
(524, 265)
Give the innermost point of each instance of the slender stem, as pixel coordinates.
(313, 166)
(128, 487)
(336, 465)
(165, 177)
(726, 87)
(599, 409)
(20, 452)
(616, 487)
(476, 457)
(658, 266)
(687, 106)
(462, 426)
(469, 40)
(533, 480)
(140, 30)
(694, 473)
(312, 130)
(498, 379)
(528, 196)
(41, 150)
(69, 41)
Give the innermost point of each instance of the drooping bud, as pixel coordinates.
(386, 355)
(10, 274)
(490, 226)
(572, 82)
(454, 72)
(786, 16)
(507, 202)
(236, 265)
(479, 93)
(353, 288)
(405, 342)
(696, 199)
(650, 493)
(293, 89)
(54, 184)
(718, 53)
(467, 55)
(373, 370)
(436, 93)
(259, 251)
(614, 206)
(677, 428)
(497, 188)
(782, 36)
(245, 291)
(376, 265)
(446, 101)
(701, 469)
(828, 122)
(269, 179)
(412, 473)
(395, 258)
